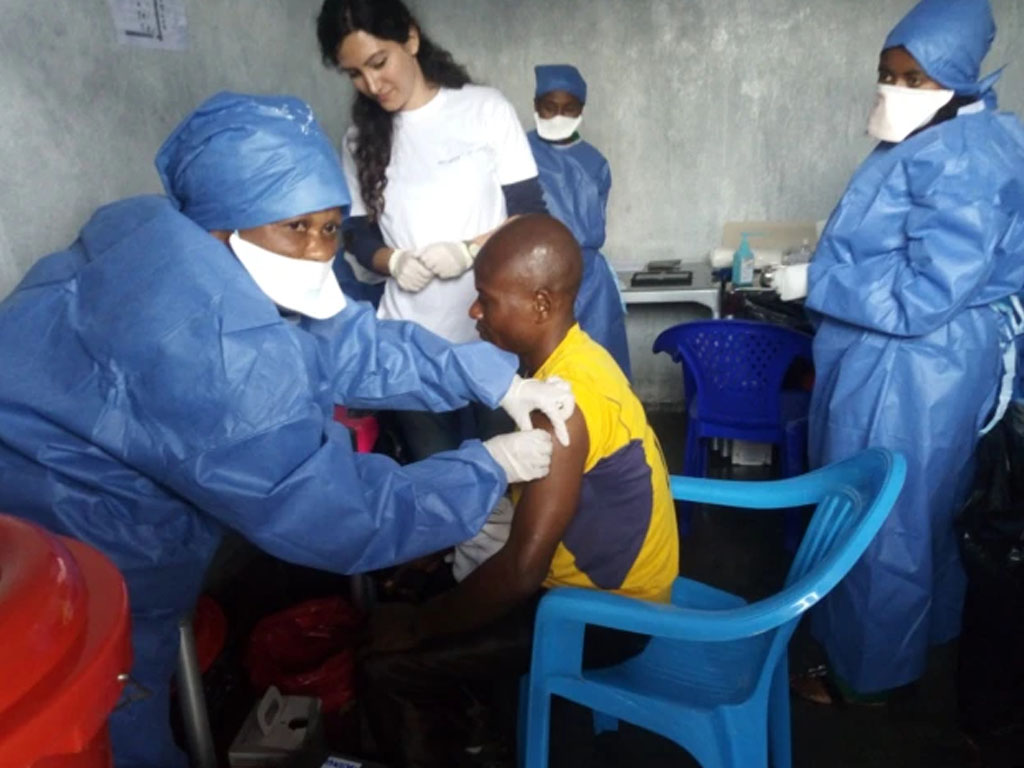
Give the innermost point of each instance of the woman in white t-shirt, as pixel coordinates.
(435, 165)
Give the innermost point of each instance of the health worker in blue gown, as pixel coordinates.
(576, 180)
(173, 372)
(913, 284)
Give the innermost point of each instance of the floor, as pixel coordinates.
(734, 550)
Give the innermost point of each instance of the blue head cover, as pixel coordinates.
(241, 161)
(949, 39)
(560, 77)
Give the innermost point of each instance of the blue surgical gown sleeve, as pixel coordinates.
(333, 509)
(907, 272)
(604, 176)
(400, 365)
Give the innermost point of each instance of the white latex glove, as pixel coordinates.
(524, 456)
(552, 397)
(790, 281)
(409, 272)
(448, 260)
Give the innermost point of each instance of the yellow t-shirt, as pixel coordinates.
(623, 536)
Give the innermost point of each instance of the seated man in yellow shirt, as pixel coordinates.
(603, 518)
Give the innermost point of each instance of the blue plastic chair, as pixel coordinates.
(714, 677)
(733, 372)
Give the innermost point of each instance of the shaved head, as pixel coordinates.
(535, 251)
(527, 276)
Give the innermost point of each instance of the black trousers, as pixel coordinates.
(423, 704)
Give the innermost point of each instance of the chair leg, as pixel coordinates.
(538, 728)
(792, 463)
(791, 530)
(779, 729)
(603, 722)
(524, 708)
(193, 700)
(694, 465)
(685, 510)
(793, 460)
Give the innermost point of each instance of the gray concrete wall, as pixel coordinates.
(82, 116)
(709, 110)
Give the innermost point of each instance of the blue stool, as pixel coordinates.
(714, 677)
(733, 372)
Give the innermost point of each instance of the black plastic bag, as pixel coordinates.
(991, 528)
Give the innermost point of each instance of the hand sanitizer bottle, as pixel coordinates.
(743, 264)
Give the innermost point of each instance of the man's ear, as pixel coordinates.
(542, 305)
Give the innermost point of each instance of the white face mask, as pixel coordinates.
(899, 111)
(557, 128)
(307, 287)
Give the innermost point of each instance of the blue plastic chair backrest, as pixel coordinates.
(852, 498)
(736, 367)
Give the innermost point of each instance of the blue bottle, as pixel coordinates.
(743, 263)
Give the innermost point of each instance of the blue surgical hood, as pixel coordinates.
(949, 39)
(241, 161)
(560, 77)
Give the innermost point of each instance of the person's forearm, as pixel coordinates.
(431, 504)
(380, 260)
(363, 239)
(400, 365)
(488, 593)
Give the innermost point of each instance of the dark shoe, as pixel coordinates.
(488, 755)
(818, 686)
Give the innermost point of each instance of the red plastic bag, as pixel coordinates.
(210, 628)
(307, 650)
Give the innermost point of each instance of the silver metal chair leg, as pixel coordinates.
(361, 592)
(193, 701)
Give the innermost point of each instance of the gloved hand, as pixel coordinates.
(790, 281)
(409, 272)
(448, 260)
(524, 456)
(552, 397)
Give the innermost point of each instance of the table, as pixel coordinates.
(704, 290)
(650, 310)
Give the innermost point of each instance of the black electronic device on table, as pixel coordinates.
(663, 265)
(670, 278)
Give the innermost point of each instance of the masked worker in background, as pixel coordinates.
(913, 284)
(576, 180)
(173, 373)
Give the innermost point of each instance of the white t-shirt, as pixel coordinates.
(449, 160)
(471, 554)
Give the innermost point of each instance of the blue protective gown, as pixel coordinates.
(576, 180)
(353, 287)
(152, 396)
(928, 235)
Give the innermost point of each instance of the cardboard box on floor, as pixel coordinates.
(285, 731)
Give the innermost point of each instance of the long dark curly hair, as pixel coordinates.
(386, 20)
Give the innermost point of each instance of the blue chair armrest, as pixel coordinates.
(687, 593)
(577, 606)
(799, 491)
(749, 494)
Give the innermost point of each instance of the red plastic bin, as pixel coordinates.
(64, 630)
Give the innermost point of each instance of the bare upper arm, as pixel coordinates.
(547, 505)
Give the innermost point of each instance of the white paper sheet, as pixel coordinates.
(151, 23)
